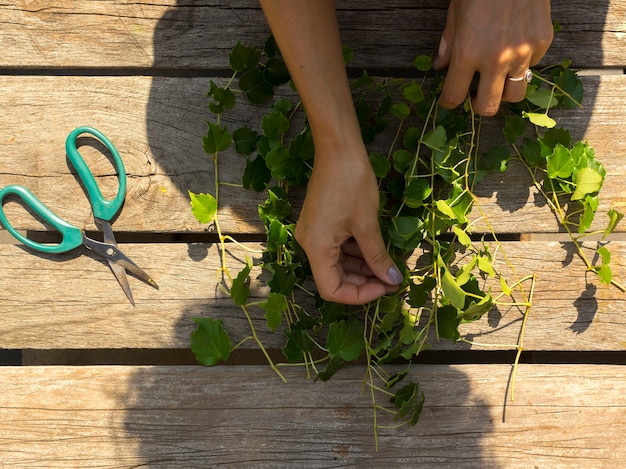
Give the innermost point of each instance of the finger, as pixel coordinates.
(374, 252)
(515, 90)
(456, 85)
(357, 265)
(489, 94)
(444, 53)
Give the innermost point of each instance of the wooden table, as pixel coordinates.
(103, 384)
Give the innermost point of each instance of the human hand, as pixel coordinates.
(340, 233)
(498, 39)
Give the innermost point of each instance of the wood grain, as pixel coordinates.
(157, 124)
(193, 35)
(73, 301)
(109, 417)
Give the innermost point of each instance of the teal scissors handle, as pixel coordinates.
(72, 235)
(104, 209)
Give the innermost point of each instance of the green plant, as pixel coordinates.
(427, 175)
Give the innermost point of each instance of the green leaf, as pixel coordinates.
(588, 181)
(203, 207)
(514, 126)
(614, 218)
(531, 151)
(413, 93)
(223, 98)
(540, 119)
(448, 322)
(256, 174)
(278, 163)
(423, 63)
(406, 232)
(568, 81)
(380, 163)
(243, 58)
(543, 98)
(590, 205)
(239, 290)
(435, 139)
(217, 139)
(560, 163)
(274, 208)
(277, 235)
(495, 159)
(276, 72)
(409, 401)
(210, 342)
(298, 343)
(333, 366)
(604, 271)
(256, 89)
(462, 236)
(274, 307)
(401, 110)
(445, 209)
(345, 339)
(451, 290)
(416, 192)
(477, 309)
(551, 138)
(484, 265)
(401, 160)
(301, 147)
(283, 279)
(274, 125)
(245, 140)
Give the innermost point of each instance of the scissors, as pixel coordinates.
(104, 211)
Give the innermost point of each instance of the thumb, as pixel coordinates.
(378, 260)
(445, 50)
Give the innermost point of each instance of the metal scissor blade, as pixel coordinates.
(118, 270)
(113, 255)
(120, 275)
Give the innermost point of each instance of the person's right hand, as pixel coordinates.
(339, 229)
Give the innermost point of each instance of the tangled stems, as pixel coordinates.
(426, 177)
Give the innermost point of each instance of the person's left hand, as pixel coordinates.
(499, 39)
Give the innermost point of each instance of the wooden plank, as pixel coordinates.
(74, 302)
(198, 35)
(157, 124)
(563, 416)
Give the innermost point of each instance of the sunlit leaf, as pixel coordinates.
(540, 119)
(210, 342)
(614, 218)
(203, 207)
(588, 181)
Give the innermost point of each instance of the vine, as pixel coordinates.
(426, 177)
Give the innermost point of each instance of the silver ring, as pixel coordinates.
(527, 77)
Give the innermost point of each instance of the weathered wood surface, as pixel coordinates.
(157, 125)
(110, 417)
(73, 301)
(198, 35)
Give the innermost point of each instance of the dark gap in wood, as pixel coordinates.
(117, 71)
(150, 237)
(184, 357)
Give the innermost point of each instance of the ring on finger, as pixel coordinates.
(527, 77)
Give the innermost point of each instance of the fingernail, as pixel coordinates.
(395, 276)
(443, 47)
